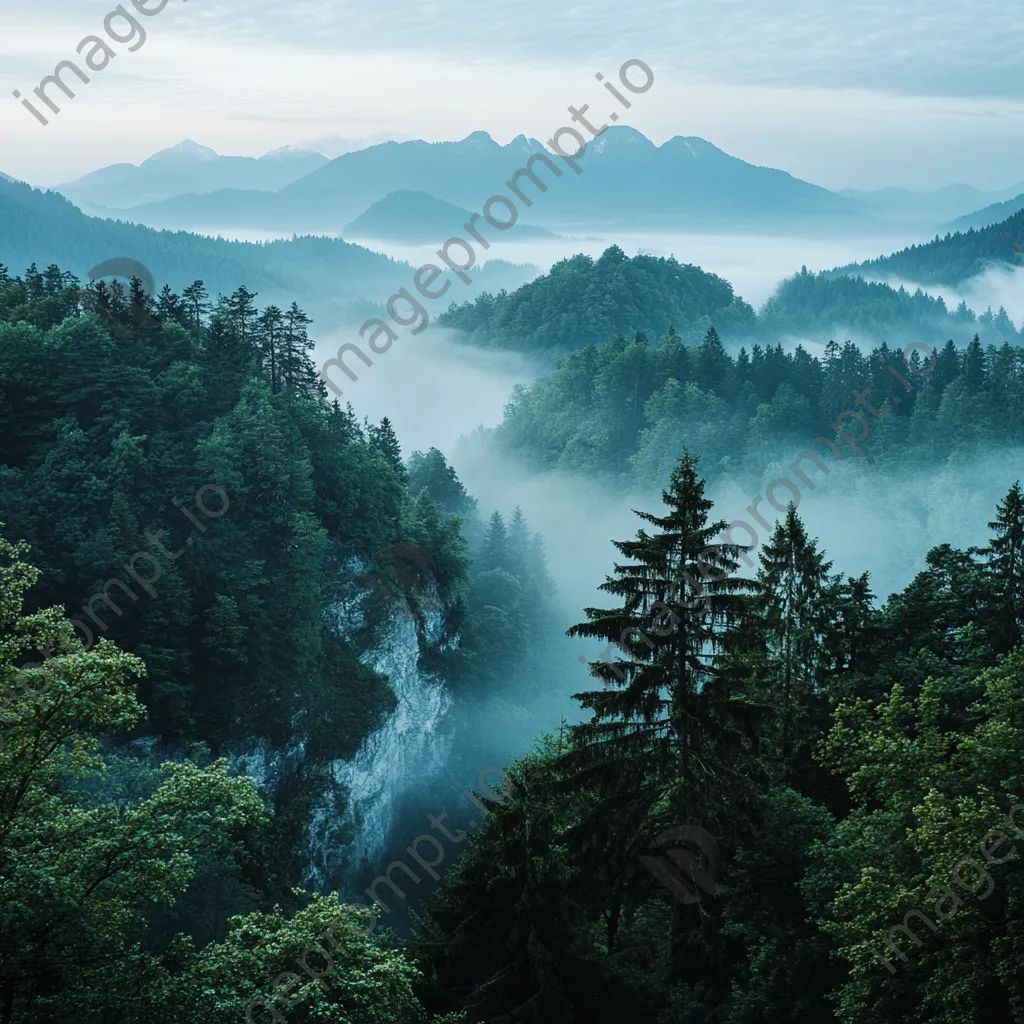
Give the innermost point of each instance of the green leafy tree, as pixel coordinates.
(76, 871)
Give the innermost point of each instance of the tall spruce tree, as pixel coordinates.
(383, 439)
(792, 611)
(494, 550)
(1006, 564)
(666, 738)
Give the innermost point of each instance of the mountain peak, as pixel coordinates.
(184, 151)
(619, 137)
(479, 138)
(289, 153)
(693, 146)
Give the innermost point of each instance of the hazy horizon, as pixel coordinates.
(853, 96)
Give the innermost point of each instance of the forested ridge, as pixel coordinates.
(624, 409)
(845, 754)
(582, 302)
(117, 413)
(329, 275)
(952, 259)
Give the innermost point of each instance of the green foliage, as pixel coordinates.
(625, 409)
(77, 870)
(582, 301)
(116, 410)
(852, 763)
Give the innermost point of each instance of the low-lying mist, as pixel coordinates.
(433, 389)
(864, 517)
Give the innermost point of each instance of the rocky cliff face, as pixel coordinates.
(351, 822)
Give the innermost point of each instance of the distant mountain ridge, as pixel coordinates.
(928, 209)
(624, 180)
(414, 216)
(188, 168)
(326, 275)
(993, 214)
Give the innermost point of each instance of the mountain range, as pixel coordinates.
(625, 181)
(929, 209)
(334, 186)
(187, 167)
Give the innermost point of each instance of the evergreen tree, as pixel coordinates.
(297, 370)
(792, 609)
(1005, 554)
(197, 303)
(494, 550)
(241, 308)
(715, 370)
(383, 439)
(270, 329)
(656, 749)
(441, 481)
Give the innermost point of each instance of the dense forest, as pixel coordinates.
(583, 302)
(850, 764)
(853, 766)
(624, 409)
(177, 460)
(952, 259)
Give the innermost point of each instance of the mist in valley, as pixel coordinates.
(440, 392)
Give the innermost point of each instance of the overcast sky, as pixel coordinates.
(918, 94)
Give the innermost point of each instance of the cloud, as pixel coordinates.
(862, 94)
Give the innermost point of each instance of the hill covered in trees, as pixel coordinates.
(624, 409)
(116, 410)
(950, 260)
(583, 301)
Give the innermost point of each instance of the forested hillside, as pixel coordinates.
(624, 409)
(818, 306)
(583, 301)
(327, 274)
(851, 776)
(950, 260)
(248, 545)
(187, 490)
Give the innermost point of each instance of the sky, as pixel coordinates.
(851, 94)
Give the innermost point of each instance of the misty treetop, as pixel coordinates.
(952, 259)
(583, 301)
(626, 408)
